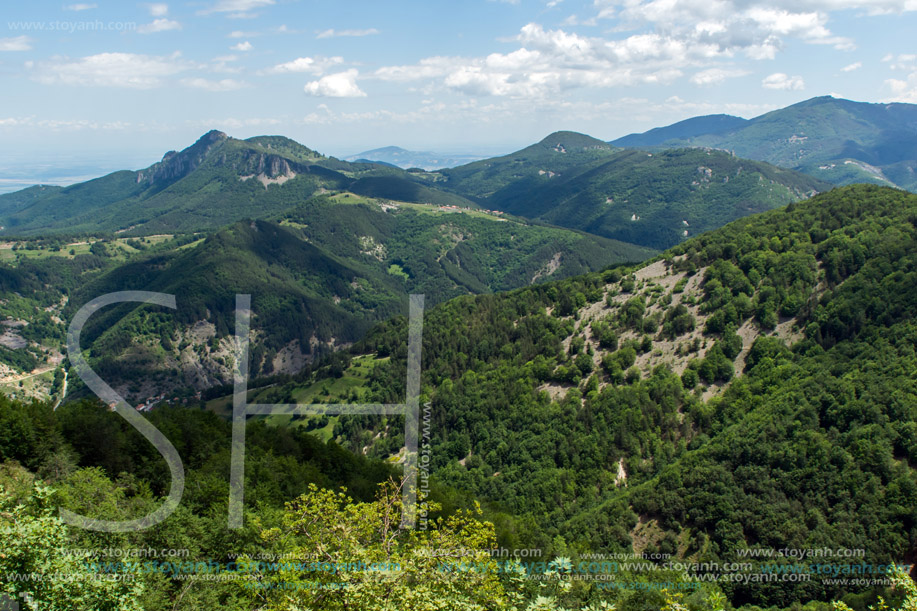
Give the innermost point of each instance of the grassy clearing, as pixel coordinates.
(432, 209)
(349, 388)
(118, 248)
(32, 386)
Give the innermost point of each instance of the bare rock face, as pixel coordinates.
(261, 164)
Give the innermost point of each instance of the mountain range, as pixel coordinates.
(215, 181)
(568, 179)
(836, 140)
(328, 247)
(654, 199)
(666, 354)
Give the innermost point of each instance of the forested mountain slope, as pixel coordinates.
(752, 388)
(320, 275)
(831, 139)
(215, 181)
(652, 199)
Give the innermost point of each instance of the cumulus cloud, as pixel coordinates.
(340, 85)
(353, 33)
(208, 85)
(19, 43)
(158, 9)
(312, 65)
(126, 70)
(903, 91)
(552, 61)
(81, 7)
(651, 41)
(242, 46)
(852, 67)
(779, 80)
(159, 25)
(734, 25)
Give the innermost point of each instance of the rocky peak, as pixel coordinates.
(176, 165)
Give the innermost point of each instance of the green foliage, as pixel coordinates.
(415, 569)
(807, 445)
(34, 544)
(596, 188)
(904, 583)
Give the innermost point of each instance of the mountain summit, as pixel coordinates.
(177, 165)
(215, 181)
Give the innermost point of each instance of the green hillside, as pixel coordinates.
(557, 153)
(748, 392)
(653, 199)
(215, 181)
(689, 128)
(320, 275)
(13, 202)
(445, 253)
(751, 389)
(831, 139)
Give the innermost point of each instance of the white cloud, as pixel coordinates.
(904, 90)
(208, 85)
(159, 9)
(340, 85)
(779, 80)
(159, 25)
(551, 62)
(353, 33)
(312, 65)
(905, 61)
(714, 76)
(19, 43)
(127, 70)
(748, 26)
(81, 7)
(852, 67)
(504, 111)
(237, 8)
(242, 46)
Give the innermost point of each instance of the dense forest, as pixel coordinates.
(749, 390)
(812, 442)
(321, 273)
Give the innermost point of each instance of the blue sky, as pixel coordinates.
(102, 85)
